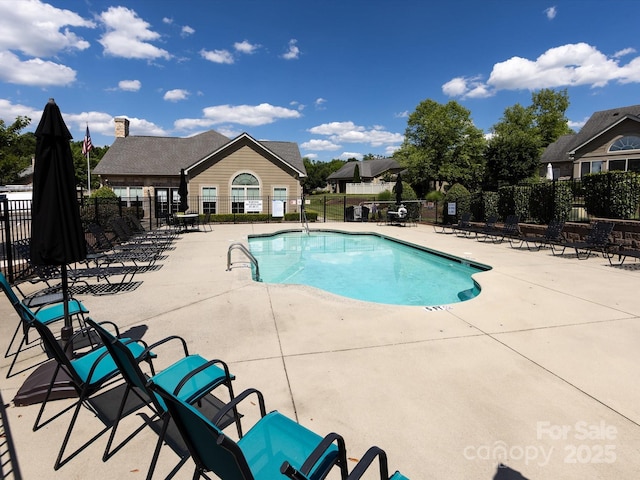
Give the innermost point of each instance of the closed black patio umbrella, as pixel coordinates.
(398, 189)
(183, 192)
(57, 236)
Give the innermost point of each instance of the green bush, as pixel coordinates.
(612, 194)
(103, 192)
(459, 195)
(385, 196)
(490, 202)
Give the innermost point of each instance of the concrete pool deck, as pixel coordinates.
(539, 372)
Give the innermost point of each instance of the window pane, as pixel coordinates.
(280, 194)
(617, 165)
(585, 168)
(245, 179)
(634, 165)
(596, 167)
(253, 193)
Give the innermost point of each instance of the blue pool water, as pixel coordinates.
(368, 267)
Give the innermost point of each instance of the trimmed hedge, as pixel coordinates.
(612, 194)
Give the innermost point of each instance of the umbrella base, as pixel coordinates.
(34, 389)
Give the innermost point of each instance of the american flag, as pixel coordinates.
(86, 144)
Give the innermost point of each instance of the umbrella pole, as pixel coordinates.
(67, 330)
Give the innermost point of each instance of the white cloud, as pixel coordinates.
(404, 114)
(551, 12)
(129, 85)
(624, 52)
(249, 115)
(577, 125)
(563, 66)
(9, 111)
(38, 29)
(187, 30)
(349, 132)
(35, 72)
(246, 47)
(217, 56)
(167, 20)
(348, 155)
(294, 52)
(319, 103)
(320, 145)
(176, 95)
(128, 36)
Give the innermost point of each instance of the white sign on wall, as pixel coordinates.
(277, 208)
(253, 206)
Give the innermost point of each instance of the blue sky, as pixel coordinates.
(339, 77)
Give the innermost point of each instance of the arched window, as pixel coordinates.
(245, 186)
(630, 142)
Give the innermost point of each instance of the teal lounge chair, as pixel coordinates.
(363, 465)
(190, 378)
(261, 452)
(88, 374)
(45, 314)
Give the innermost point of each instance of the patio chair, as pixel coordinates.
(597, 240)
(367, 459)
(487, 229)
(107, 251)
(139, 229)
(128, 238)
(190, 378)
(623, 252)
(45, 314)
(206, 222)
(553, 234)
(464, 222)
(78, 275)
(260, 453)
(510, 229)
(87, 374)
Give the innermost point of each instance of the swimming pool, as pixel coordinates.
(365, 266)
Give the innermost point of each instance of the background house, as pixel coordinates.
(240, 175)
(370, 171)
(610, 140)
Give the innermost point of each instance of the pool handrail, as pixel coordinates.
(249, 255)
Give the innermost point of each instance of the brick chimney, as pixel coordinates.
(122, 127)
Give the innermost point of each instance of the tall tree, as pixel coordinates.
(317, 173)
(16, 150)
(518, 139)
(549, 108)
(441, 145)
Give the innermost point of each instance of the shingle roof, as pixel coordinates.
(367, 169)
(135, 155)
(598, 123)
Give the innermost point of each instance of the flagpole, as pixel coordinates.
(88, 174)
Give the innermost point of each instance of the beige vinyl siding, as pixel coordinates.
(245, 159)
(598, 149)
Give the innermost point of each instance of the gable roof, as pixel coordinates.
(367, 169)
(135, 155)
(165, 156)
(599, 123)
(286, 153)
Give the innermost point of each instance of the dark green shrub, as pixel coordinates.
(103, 192)
(612, 194)
(490, 202)
(385, 196)
(459, 195)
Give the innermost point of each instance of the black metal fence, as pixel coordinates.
(538, 203)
